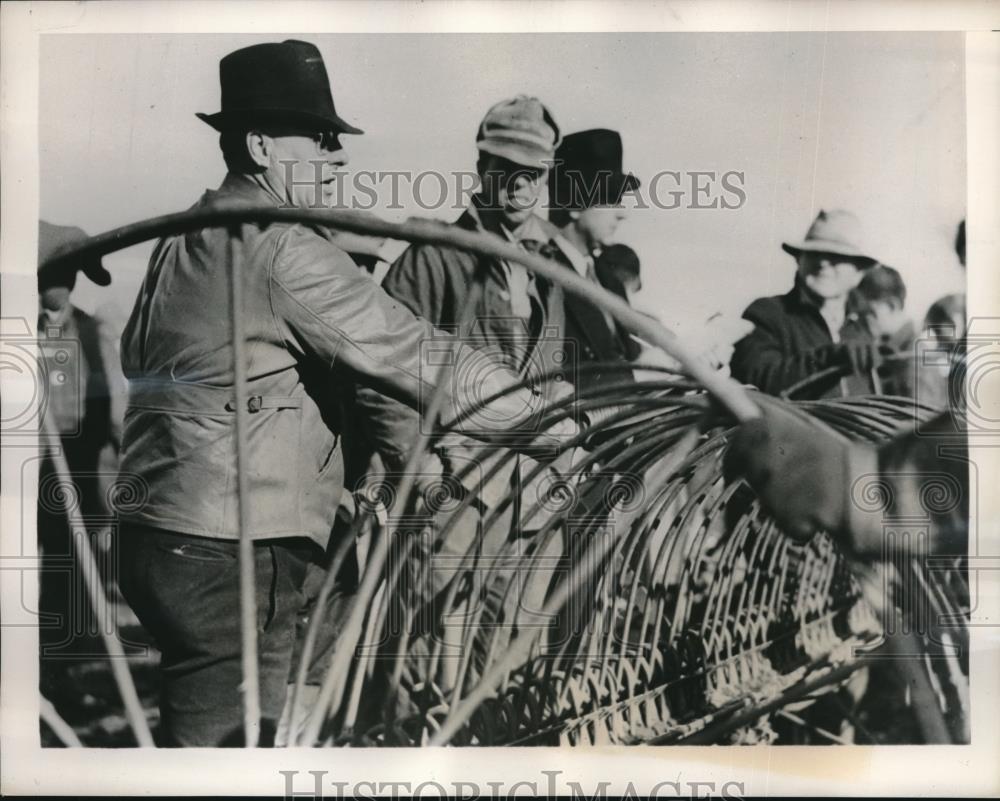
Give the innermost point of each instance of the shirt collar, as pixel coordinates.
(531, 229)
(581, 264)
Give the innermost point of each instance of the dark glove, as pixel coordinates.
(801, 469)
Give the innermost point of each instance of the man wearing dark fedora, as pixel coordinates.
(813, 327)
(586, 188)
(315, 325)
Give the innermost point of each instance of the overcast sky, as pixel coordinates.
(869, 122)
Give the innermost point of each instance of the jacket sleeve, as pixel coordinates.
(117, 385)
(415, 280)
(760, 360)
(328, 310)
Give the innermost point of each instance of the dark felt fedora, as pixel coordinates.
(279, 81)
(588, 171)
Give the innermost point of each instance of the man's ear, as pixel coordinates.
(259, 148)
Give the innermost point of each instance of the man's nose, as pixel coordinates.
(621, 213)
(337, 158)
(525, 181)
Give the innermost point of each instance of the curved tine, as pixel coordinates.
(635, 551)
(364, 666)
(759, 580)
(809, 380)
(754, 559)
(816, 576)
(493, 639)
(829, 567)
(858, 420)
(638, 459)
(377, 618)
(725, 389)
(620, 456)
(671, 551)
(627, 456)
(312, 631)
(739, 592)
(695, 506)
(723, 585)
(647, 459)
(469, 561)
(96, 594)
(333, 683)
(60, 728)
(458, 715)
(468, 315)
(543, 537)
(639, 556)
(732, 548)
(776, 569)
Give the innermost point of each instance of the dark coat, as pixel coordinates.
(791, 342)
(596, 341)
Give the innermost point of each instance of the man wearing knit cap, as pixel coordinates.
(519, 319)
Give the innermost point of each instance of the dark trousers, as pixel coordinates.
(185, 591)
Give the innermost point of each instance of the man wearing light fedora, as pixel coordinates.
(813, 327)
(315, 324)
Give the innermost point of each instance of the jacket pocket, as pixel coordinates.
(275, 441)
(201, 552)
(327, 460)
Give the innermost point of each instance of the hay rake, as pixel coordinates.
(626, 593)
(697, 614)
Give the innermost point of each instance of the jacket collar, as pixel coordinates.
(247, 188)
(800, 298)
(534, 228)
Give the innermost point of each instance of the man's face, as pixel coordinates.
(306, 165)
(887, 317)
(598, 224)
(509, 189)
(54, 291)
(829, 275)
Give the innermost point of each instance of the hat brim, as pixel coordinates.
(568, 194)
(822, 246)
(227, 120)
(524, 156)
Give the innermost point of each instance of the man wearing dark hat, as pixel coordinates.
(813, 327)
(586, 190)
(84, 399)
(315, 324)
(520, 318)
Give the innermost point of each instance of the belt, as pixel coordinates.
(178, 396)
